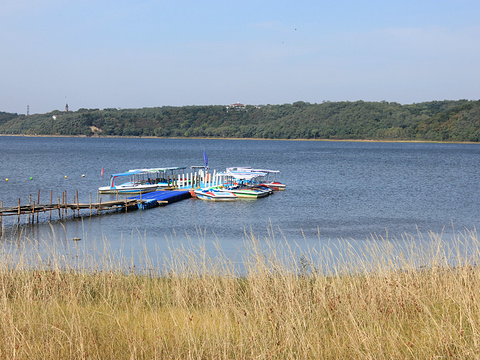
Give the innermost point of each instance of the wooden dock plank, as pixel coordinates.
(25, 209)
(144, 201)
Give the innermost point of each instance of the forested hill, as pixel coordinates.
(434, 121)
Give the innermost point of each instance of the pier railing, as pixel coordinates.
(196, 180)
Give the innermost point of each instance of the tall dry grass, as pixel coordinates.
(385, 300)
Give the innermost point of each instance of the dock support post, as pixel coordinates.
(18, 220)
(78, 206)
(51, 202)
(29, 204)
(90, 204)
(38, 202)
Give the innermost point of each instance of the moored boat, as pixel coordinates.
(247, 192)
(163, 177)
(213, 194)
(139, 181)
(264, 188)
(244, 184)
(275, 185)
(265, 178)
(133, 183)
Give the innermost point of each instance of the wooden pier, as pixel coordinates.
(62, 209)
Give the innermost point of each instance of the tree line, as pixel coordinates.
(448, 120)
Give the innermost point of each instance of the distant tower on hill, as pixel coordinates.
(66, 107)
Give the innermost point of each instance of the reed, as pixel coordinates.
(386, 299)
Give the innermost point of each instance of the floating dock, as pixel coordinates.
(159, 198)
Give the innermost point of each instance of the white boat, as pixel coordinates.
(212, 194)
(244, 184)
(264, 180)
(140, 181)
(275, 185)
(247, 192)
(163, 177)
(131, 182)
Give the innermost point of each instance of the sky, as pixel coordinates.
(145, 53)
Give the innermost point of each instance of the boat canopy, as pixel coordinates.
(266, 171)
(139, 172)
(249, 169)
(113, 177)
(245, 175)
(160, 169)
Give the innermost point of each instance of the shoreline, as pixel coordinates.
(234, 138)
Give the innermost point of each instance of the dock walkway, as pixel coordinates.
(143, 201)
(158, 198)
(32, 209)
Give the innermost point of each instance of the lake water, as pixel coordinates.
(335, 190)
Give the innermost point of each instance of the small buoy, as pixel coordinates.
(76, 239)
(6, 179)
(83, 175)
(65, 176)
(31, 178)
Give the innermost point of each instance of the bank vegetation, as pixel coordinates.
(448, 120)
(408, 299)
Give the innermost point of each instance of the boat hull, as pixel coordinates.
(214, 195)
(248, 193)
(277, 186)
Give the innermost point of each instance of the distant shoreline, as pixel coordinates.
(233, 138)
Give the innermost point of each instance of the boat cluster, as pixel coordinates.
(241, 182)
(233, 183)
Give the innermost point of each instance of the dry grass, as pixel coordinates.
(375, 303)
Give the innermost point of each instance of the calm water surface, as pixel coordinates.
(335, 190)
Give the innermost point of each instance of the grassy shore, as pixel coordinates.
(375, 303)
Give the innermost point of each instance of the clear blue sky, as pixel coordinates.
(145, 53)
